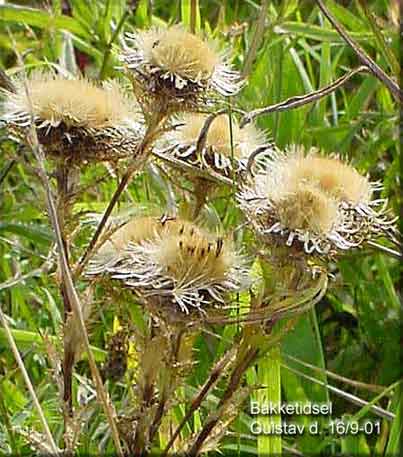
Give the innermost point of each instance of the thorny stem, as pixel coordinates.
(374, 68)
(248, 352)
(74, 300)
(178, 338)
(72, 294)
(169, 385)
(138, 161)
(63, 211)
(65, 271)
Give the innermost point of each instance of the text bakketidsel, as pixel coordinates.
(273, 409)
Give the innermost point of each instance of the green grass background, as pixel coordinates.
(354, 331)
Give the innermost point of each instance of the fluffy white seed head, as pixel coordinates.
(171, 259)
(73, 117)
(80, 102)
(179, 52)
(330, 174)
(321, 204)
(227, 146)
(178, 67)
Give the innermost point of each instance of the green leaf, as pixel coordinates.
(32, 232)
(26, 340)
(396, 432)
(352, 444)
(304, 344)
(315, 32)
(143, 13)
(40, 18)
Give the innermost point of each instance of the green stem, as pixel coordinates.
(268, 375)
(323, 375)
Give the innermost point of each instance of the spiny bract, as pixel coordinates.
(173, 260)
(75, 118)
(322, 205)
(227, 147)
(177, 66)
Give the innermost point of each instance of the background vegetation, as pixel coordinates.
(347, 350)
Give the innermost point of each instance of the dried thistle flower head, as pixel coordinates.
(74, 118)
(172, 261)
(227, 147)
(320, 205)
(177, 66)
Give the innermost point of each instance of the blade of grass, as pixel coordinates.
(27, 339)
(190, 13)
(315, 32)
(367, 406)
(28, 383)
(396, 431)
(269, 376)
(384, 47)
(107, 53)
(330, 374)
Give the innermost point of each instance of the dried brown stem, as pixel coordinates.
(215, 375)
(63, 212)
(373, 67)
(300, 100)
(5, 82)
(72, 295)
(207, 174)
(201, 141)
(138, 161)
(193, 13)
(66, 277)
(256, 40)
(234, 382)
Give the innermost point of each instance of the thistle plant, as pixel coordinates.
(215, 145)
(172, 263)
(177, 287)
(177, 70)
(320, 206)
(76, 119)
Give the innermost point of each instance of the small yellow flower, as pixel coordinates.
(74, 118)
(178, 66)
(172, 261)
(217, 152)
(320, 205)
